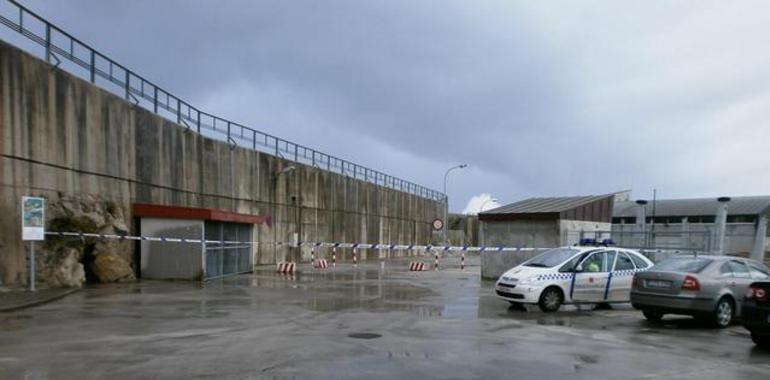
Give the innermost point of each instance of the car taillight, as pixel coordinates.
(758, 294)
(690, 283)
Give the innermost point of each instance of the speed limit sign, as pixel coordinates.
(438, 224)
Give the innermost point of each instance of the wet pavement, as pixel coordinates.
(14, 299)
(348, 323)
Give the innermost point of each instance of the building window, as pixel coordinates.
(741, 219)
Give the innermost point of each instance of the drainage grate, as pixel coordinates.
(364, 335)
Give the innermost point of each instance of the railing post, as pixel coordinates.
(254, 139)
(93, 66)
(296, 156)
(127, 83)
(313, 158)
(47, 42)
(155, 99)
(179, 112)
(199, 121)
(228, 132)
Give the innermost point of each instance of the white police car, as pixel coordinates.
(578, 274)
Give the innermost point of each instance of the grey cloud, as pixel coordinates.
(539, 99)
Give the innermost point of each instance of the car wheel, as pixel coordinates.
(550, 300)
(723, 313)
(761, 340)
(652, 316)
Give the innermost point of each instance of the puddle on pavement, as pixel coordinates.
(364, 335)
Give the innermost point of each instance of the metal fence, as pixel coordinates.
(135, 88)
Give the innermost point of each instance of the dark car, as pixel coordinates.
(756, 312)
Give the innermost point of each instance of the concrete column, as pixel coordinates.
(758, 252)
(641, 222)
(482, 226)
(685, 233)
(720, 225)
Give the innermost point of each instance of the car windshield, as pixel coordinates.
(551, 258)
(682, 264)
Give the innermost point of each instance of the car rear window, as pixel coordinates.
(682, 264)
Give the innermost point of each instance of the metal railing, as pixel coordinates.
(135, 88)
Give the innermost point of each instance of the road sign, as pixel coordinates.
(438, 224)
(32, 218)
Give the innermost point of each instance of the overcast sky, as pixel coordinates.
(538, 98)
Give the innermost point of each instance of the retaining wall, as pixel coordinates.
(62, 136)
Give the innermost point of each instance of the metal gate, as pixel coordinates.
(225, 259)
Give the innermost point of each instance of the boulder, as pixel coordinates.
(65, 270)
(110, 267)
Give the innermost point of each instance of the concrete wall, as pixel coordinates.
(63, 136)
(520, 233)
(494, 264)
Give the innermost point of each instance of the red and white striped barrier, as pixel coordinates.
(435, 265)
(321, 264)
(417, 266)
(286, 268)
(334, 257)
(462, 261)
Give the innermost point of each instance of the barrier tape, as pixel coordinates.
(333, 245)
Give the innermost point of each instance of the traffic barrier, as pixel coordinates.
(334, 257)
(417, 266)
(286, 268)
(322, 264)
(355, 256)
(435, 263)
(312, 257)
(462, 261)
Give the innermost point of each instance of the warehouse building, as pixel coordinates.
(547, 222)
(729, 225)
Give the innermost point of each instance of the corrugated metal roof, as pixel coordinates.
(545, 205)
(697, 207)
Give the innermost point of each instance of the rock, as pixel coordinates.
(120, 247)
(63, 259)
(66, 271)
(110, 267)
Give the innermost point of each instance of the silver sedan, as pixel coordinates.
(706, 287)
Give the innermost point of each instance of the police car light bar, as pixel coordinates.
(594, 242)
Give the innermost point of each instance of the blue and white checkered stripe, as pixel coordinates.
(625, 273)
(555, 276)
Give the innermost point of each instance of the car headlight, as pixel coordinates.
(528, 281)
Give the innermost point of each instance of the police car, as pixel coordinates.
(585, 273)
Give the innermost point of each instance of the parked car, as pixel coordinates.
(578, 274)
(710, 288)
(756, 312)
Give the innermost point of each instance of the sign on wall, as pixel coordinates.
(32, 218)
(438, 224)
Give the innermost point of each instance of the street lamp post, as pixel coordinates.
(446, 200)
(283, 171)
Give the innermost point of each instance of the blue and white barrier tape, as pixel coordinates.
(397, 247)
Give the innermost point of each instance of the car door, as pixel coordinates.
(620, 278)
(591, 276)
